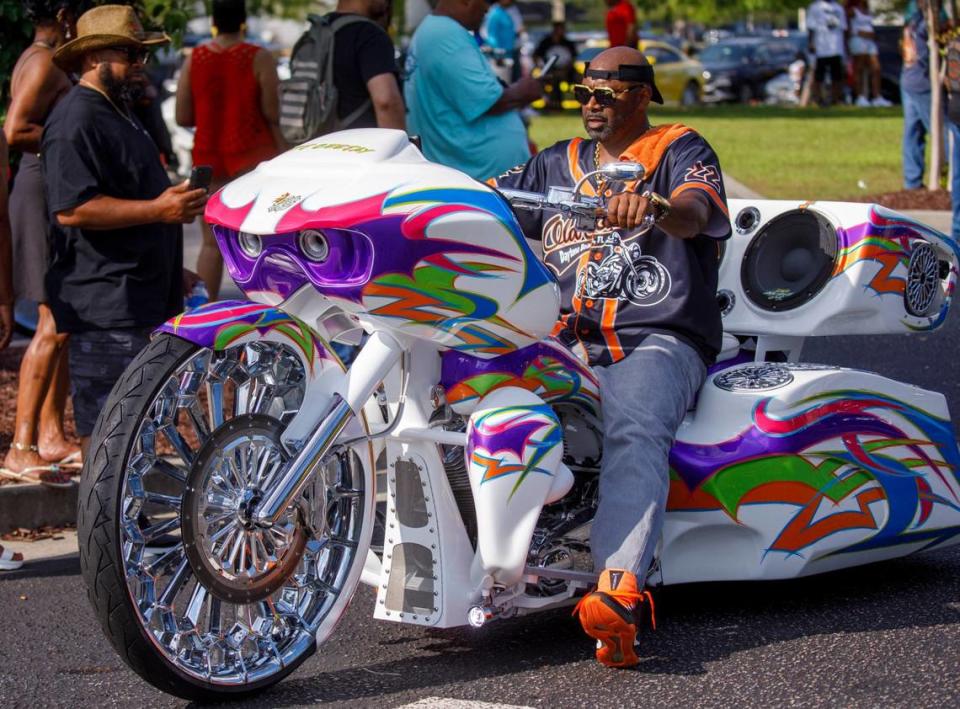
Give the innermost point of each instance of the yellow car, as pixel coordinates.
(679, 78)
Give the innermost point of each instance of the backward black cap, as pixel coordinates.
(641, 73)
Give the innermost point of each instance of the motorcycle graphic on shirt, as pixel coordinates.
(619, 270)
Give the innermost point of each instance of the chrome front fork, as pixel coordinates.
(378, 356)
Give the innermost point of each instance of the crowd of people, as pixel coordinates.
(837, 33)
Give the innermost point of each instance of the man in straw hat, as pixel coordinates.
(116, 269)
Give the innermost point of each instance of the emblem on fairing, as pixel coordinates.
(284, 201)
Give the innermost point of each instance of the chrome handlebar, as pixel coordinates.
(585, 212)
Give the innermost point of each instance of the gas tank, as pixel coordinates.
(409, 245)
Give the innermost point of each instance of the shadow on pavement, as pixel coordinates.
(698, 625)
(65, 565)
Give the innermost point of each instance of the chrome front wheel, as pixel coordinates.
(187, 442)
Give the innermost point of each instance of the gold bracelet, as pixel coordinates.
(662, 204)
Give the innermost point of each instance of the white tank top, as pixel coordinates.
(861, 22)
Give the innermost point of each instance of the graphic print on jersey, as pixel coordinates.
(616, 269)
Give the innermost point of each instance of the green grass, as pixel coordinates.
(786, 153)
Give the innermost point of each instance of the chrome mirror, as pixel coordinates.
(623, 171)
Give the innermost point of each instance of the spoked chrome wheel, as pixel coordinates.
(229, 606)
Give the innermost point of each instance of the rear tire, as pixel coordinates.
(186, 642)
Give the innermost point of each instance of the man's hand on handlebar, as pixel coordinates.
(627, 210)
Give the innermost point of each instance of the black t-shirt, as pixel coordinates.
(361, 51)
(120, 278)
(564, 50)
(619, 287)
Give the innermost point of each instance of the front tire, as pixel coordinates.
(165, 624)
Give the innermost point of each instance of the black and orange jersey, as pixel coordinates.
(618, 286)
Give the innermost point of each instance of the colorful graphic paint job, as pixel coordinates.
(433, 293)
(788, 461)
(547, 369)
(888, 239)
(219, 325)
(382, 261)
(513, 441)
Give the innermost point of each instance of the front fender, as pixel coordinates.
(221, 325)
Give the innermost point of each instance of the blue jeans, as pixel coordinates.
(955, 182)
(644, 398)
(916, 127)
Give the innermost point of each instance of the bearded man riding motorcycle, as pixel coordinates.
(640, 305)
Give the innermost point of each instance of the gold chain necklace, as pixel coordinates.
(601, 183)
(122, 114)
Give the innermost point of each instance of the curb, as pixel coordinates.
(737, 190)
(32, 506)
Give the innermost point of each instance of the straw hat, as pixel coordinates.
(103, 27)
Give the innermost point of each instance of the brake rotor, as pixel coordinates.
(235, 559)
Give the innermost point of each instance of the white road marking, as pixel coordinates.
(442, 703)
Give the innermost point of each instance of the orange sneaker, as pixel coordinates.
(610, 615)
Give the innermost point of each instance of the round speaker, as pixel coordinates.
(789, 261)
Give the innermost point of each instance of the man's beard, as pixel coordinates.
(121, 91)
(606, 131)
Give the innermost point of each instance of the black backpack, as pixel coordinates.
(308, 99)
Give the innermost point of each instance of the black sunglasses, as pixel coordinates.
(605, 96)
(135, 55)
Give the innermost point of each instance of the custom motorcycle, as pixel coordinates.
(242, 481)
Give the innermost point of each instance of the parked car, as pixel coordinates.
(679, 78)
(737, 69)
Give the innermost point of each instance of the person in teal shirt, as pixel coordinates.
(465, 117)
(500, 31)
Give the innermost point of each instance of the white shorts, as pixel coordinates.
(862, 45)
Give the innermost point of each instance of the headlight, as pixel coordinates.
(314, 245)
(250, 244)
(707, 75)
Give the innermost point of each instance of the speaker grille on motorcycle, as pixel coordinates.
(789, 261)
(920, 297)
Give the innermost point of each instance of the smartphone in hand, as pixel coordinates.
(548, 65)
(201, 176)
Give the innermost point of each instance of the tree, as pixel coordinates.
(932, 11)
(15, 34)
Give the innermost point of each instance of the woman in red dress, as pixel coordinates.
(228, 90)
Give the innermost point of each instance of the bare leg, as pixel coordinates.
(859, 72)
(52, 441)
(210, 262)
(874, 69)
(36, 373)
(84, 446)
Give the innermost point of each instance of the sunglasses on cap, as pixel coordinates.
(135, 55)
(604, 96)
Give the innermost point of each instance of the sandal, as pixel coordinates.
(10, 560)
(49, 475)
(71, 461)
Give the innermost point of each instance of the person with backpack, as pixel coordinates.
(343, 75)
